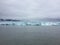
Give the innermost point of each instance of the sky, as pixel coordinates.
(29, 9)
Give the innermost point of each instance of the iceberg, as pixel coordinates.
(22, 23)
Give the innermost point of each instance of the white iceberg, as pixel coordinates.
(30, 23)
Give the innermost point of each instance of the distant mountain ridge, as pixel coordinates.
(9, 20)
(43, 19)
(49, 19)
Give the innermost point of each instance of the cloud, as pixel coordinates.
(29, 9)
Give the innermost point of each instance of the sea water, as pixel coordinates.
(29, 35)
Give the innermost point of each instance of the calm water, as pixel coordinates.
(29, 35)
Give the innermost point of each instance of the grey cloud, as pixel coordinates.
(29, 9)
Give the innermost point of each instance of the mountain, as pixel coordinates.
(9, 20)
(48, 19)
(43, 19)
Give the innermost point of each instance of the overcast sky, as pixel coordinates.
(29, 9)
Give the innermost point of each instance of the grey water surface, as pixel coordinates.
(29, 35)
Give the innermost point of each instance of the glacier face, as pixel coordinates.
(22, 23)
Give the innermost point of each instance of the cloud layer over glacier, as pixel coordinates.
(29, 9)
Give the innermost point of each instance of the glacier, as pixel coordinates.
(27, 23)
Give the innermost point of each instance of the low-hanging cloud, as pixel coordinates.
(29, 9)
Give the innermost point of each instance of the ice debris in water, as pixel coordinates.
(31, 23)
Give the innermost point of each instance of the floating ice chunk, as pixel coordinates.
(30, 23)
(49, 23)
